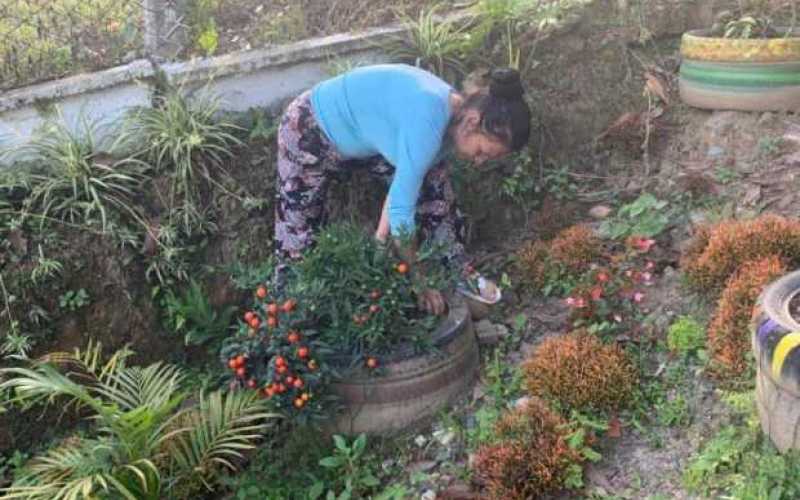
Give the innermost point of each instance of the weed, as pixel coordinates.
(646, 217)
(352, 474)
(192, 315)
(685, 336)
(72, 300)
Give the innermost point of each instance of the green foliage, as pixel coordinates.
(432, 43)
(191, 314)
(183, 139)
(482, 432)
(647, 217)
(686, 335)
(503, 380)
(72, 179)
(72, 300)
(143, 445)
(740, 462)
(338, 277)
(203, 27)
(581, 434)
(45, 268)
(352, 474)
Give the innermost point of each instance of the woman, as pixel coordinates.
(396, 122)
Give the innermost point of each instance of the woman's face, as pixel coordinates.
(474, 145)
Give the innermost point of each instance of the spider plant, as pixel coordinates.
(185, 140)
(432, 43)
(73, 180)
(148, 440)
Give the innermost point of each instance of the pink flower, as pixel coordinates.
(596, 293)
(618, 318)
(650, 265)
(644, 244)
(603, 277)
(571, 301)
(638, 297)
(647, 276)
(577, 303)
(629, 273)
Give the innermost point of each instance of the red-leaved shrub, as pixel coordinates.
(729, 331)
(530, 456)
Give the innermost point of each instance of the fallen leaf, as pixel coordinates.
(656, 87)
(614, 428)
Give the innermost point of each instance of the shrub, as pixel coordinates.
(571, 252)
(530, 456)
(685, 335)
(575, 248)
(730, 244)
(578, 372)
(728, 334)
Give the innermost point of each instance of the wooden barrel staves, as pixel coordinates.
(776, 345)
(408, 389)
(740, 74)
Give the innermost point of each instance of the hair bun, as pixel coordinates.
(506, 84)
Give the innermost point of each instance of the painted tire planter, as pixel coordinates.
(411, 388)
(739, 74)
(776, 345)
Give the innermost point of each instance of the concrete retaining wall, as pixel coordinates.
(257, 78)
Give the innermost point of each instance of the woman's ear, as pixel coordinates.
(471, 118)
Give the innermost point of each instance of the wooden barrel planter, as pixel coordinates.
(740, 74)
(776, 345)
(409, 389)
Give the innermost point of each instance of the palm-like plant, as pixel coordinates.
(143, 446)
(185, 139)
(74, 180)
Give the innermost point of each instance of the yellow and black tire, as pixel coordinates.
(735, 74)
(776, 345)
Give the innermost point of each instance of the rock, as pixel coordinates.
(522, 402)
(752, 195)
(421, 466)
(420, 440)
(490, 333)
(458, 491)
(766, 119)
(600, 211)
(715, 152)
(387, 464)
(698, 217)
(428, 495)
(444, 436)
(471, 460)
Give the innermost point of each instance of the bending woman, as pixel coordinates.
(399, 123)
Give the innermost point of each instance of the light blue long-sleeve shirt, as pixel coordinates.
(397, 111)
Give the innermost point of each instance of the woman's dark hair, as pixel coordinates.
(504, 112)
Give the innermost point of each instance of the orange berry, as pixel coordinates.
(272, 309)
(312, 365)
(289, 306)
(281, 369)
(252, 384)
(298, 402)
(305, 396)
(232, 364)
(298, 383)
(280, 361)
(261, 292)
(402, 268)
(293, 337)
(255, 323)
(302, 352)
(272, 322)
(240, 359)
(249, 315)
(241, 372)
(372, 363)
(374, 308)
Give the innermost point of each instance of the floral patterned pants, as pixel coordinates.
(307, 162)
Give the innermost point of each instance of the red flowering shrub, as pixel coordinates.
(729, 331)
(579, 372)
(530, 456)
(727, 246)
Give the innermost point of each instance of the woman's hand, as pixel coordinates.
(432, 301)
(382, 233)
